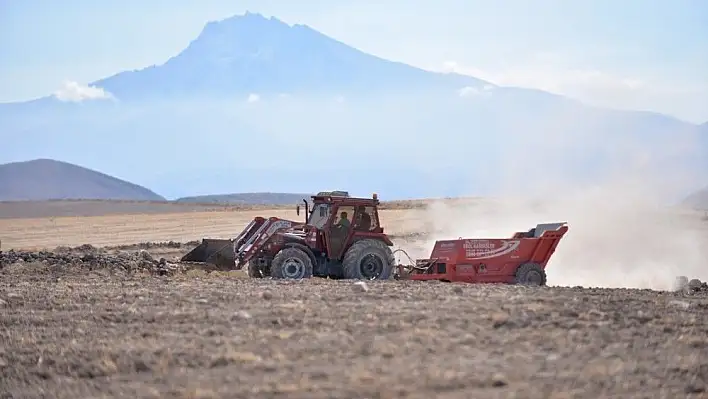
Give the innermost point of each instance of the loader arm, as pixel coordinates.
(236, 252)
(222, 252)
(257, 234)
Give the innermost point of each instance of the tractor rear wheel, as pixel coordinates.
(292, 264)
(368, 260)
(530, 274)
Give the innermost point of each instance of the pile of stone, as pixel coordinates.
(91, 258)
(150, 245)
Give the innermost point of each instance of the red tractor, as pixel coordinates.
(340, 238)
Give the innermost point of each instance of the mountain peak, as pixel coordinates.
(250, 53)
(242, 22)
(236, 36)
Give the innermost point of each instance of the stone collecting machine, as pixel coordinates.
(341, 237)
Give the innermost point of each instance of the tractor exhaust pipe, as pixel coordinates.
(307, 209)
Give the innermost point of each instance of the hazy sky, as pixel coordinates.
(638, 54)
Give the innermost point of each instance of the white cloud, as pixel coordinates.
(552, 73)
(253, 98)
(75, 92)
(469, 91)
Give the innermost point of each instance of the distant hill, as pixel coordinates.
(247, 198)
(47, 179)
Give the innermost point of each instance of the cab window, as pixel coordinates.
(319, 215)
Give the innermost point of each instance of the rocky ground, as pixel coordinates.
(87, 322)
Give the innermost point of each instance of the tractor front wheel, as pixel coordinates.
(291, 264)
(530, 274)
(368, 260)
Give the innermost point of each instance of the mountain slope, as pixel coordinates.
(45, 179)
(253, 54)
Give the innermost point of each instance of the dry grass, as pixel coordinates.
(61, 208)
(48, 224)
(50, 232)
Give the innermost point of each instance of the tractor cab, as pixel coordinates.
(337, 217)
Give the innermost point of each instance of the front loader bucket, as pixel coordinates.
(213, 251)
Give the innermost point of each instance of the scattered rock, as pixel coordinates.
(569, 313)
(266, 295)
(680, 304)
(499, 380)
(360, 286)
(692, 388)
(552, 357)
(499, 319)
(241, 315)
(145, 255)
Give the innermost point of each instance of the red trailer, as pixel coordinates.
(520, 259)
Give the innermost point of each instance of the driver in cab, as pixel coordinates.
(343, 221)
(363, 220)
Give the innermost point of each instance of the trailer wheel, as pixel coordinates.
(530, 274)
(368, 260)
(291, 264)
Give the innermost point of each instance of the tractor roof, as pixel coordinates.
(343, 197)
(335, 193)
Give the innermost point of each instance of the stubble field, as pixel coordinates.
(111, 230)
(94, 328)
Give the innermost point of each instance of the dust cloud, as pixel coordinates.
(624, 227)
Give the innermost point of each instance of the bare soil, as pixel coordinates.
(120, 322)
(69, 332)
